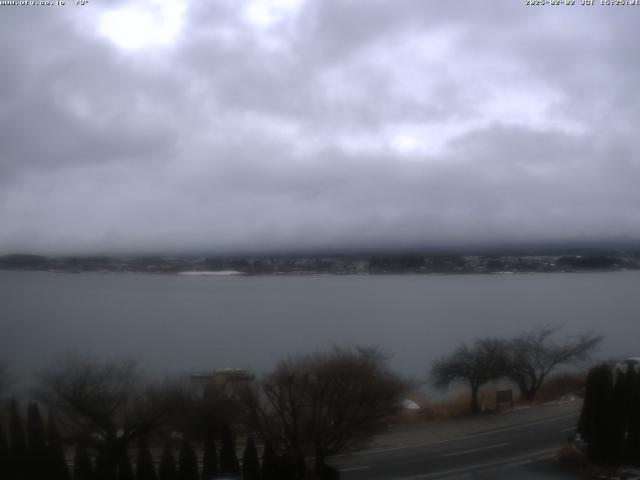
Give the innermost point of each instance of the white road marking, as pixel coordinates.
(496, 464)
(570, 429)
(353, 469)
(473, 450)
(373, 451)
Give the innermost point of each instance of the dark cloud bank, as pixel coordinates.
(318, 124)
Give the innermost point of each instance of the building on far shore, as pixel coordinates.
(221, 380)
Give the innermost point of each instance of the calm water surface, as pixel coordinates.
(182, 324)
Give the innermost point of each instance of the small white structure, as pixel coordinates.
(623, 366)
(410, 405)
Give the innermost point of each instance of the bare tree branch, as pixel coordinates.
(103, 401)
(535, 354)
(478, 364)
(5, 378)
(324, 403)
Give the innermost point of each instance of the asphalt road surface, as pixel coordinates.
(521, 452)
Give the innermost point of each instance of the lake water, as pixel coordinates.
(182, 324)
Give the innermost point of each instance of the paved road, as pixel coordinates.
(516, 452)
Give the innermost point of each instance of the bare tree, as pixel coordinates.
(190, 411)
(5, 377)
(535, 354)
(106, 402)
(324, 403)
(476, 365)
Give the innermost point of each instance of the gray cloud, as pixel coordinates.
(325, 125)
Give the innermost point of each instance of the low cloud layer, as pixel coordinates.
(316, 124)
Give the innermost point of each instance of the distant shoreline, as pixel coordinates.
(382, 264)
(196, 273)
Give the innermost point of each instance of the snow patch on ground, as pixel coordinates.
(211, 273)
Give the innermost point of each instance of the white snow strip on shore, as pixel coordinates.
(211, 272)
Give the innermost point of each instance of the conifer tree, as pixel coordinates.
(633, 433)
(595, 425)
(145, 469)
(101, 471)
(600, 421)
(82, 468)
(210, 457)
(286, 468)
(168, 470)
(229, 465)
(36, 443)
(125, 472)
(17, 442)
(4, 454)
(187, 461)
(269, 463)
(250, 462)
(105, 468)
(618, 419)
(55, 451)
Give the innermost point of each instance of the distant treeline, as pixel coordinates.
(334, 264)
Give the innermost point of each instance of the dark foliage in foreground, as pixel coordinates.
(269, 463)
(229, 465)
(187, 462)
(250, 462)
(125, 471)
(59, 467)
(610, 418)
(82, 468)
(145, 468)
(168, 470)
(209, 457)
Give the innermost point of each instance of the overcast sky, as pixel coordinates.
(274, 124)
